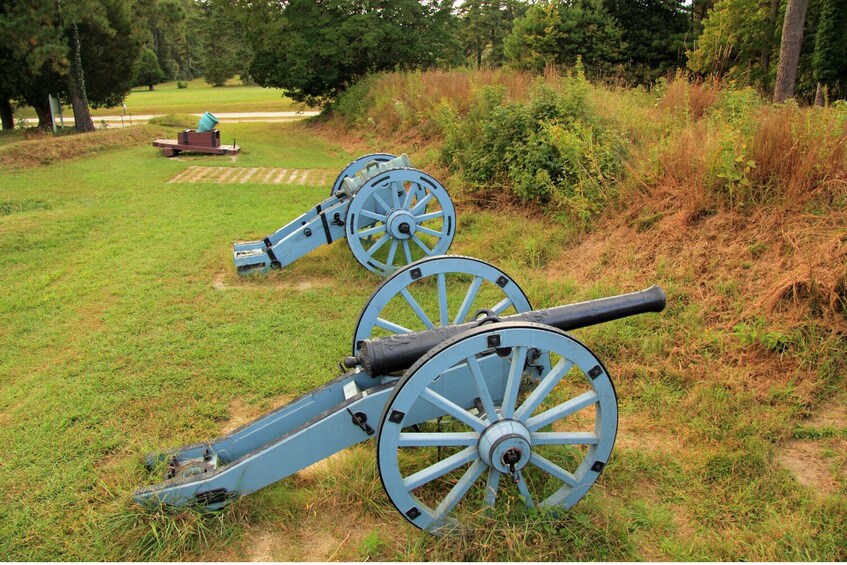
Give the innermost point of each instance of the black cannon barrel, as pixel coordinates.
(398, 352)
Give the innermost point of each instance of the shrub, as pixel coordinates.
(552, 150)
(181, 84)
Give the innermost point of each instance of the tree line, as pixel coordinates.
(91, 52)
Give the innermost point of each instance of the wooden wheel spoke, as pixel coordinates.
(547, 384)
(482, 388)
(501, 306)
(453, 409)
(564, 438)
(436, 439)
(417, 308)
(524, 490)
(382, 204)
(491, 486)
(442, 299)
(377, 245)
(460, 489)
(392, 250)
(391, 326)
(407, 201)
(441, 468)
(395, 197)
(371, 231)
(407, 251)
(420, 206)
(428, 231)
(421, 244)
(429, 217)
(467, 302)
(514, 381)
(552, 469)
(561, 411)
(373, 215)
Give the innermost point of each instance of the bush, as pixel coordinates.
(181, 84)
(552, 150)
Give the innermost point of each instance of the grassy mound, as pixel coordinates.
(45, 149)
(182, 121)
(730, 399)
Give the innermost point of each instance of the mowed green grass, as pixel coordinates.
(167, 98)
(124, 330)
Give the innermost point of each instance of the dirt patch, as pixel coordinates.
(805, 459)
(636, 438)
(320, 536)
(49, 149)
(830, 416)
(223, 281)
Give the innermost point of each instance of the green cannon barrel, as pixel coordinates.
(398, 352)
(207, 122)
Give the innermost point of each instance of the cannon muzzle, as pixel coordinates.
(399, 352)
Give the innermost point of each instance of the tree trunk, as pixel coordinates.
(42, 110)
(6, 113)
(789, 50)
(150, 87)
(76, 82)
(820, 97)
(766, 51)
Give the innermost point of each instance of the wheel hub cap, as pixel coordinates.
(401, 224)
(506, 446)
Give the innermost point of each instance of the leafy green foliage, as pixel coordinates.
(225, 53)
(734, 35)
(557, 32)
(35, 60)
(147, 71)
(316, 50)
(553, 149)
(483, 25)
(654, 33)
(829, 61)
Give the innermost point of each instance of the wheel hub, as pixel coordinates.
(401, 224)
(505, 446)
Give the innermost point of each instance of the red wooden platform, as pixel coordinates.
(197, 142)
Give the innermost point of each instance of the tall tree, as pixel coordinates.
(557, 31)
(482, 27)
(81, 50)
(829, 61)
(654, 32)
(76, 83)
(735, 33)
(767, 48)
(789, 50)
(147, 71)
(314, 50)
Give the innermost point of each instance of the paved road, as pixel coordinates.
(230, 117)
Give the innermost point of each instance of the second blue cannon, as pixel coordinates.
(390, 214)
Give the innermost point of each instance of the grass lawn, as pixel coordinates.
(124, 330)
(197, 98)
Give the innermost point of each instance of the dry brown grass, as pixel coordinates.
(691, 98)
(46, 149)
(799, 152)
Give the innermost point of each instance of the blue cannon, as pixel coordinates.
(389, 213)
(471, 396)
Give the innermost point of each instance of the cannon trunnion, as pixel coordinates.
(465, 412)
